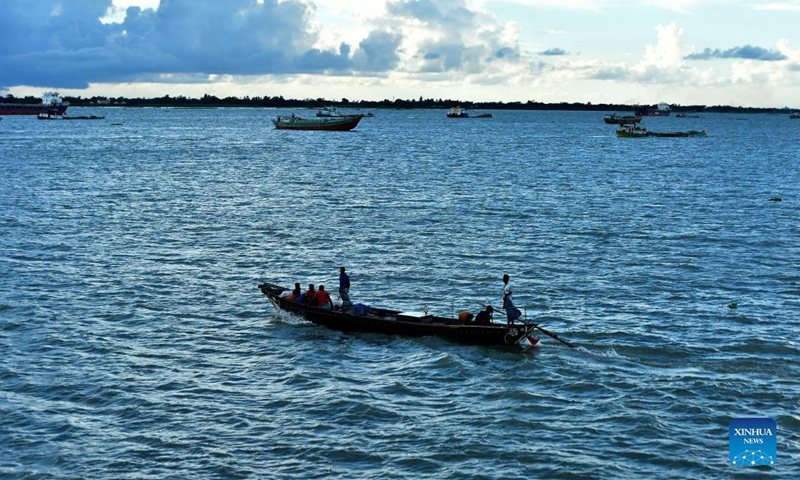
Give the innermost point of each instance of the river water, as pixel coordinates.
(134, 342)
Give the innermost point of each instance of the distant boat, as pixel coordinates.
(615, 119)
(328, 112)
(633, 131)
(680, 115)
(49, 116)
(458, 112)
(51, 103)
(333, 112)
(662, 110)
(337, 124)
(795, 115)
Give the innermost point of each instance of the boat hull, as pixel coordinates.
(647, 112)
(339, 124)
(21, 109)
(643, 134)
(393, 322)
(623, 120)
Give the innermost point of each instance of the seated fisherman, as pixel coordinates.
(311, 295)
(296, 292)
(484, 316)
(324, 298)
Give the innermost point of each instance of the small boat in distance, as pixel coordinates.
(364, 318)
(794, 115)
(634, 131)
(49, 116)
(328, 112)
(615, 119)
(333, 112)
(458, 112)
(51, 103)
(661, 110)
(332, 124)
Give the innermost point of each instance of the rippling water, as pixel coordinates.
(135, 344)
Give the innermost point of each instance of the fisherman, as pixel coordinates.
(512, 312)
(311, 295)
(296, 292)
(344, 288)
(484, 316)
(324, 298)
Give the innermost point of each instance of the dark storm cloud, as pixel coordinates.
(63, 43)
(747, 52)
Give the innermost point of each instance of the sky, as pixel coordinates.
(681, 52)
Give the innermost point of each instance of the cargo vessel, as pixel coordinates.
(51, 104)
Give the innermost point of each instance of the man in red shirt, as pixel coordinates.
(311, 295)
(324, 298)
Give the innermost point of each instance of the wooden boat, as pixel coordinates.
(48, 116)
(633, 131)
(615, 119)
(338, 124)
(394, 322)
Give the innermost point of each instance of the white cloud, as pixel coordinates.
(787, 7)
(366, 47)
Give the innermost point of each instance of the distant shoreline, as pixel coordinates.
(210, 101)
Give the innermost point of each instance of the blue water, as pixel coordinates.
(134, 342)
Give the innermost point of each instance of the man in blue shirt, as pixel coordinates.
(344, 288)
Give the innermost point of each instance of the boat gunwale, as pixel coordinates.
(377, 322)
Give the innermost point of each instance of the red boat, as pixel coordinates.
(331, 124)
(51, 105)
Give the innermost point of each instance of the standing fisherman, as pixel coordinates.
(344, 288)
(512, 312)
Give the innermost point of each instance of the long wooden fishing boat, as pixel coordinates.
(333, 124)
(394, 322)
(632, 131)
(614, 119)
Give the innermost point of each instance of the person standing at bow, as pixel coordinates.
(512, 312)
(344, 287)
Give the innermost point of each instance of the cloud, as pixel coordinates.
(679, 6)
(66, 44)
(379, 52)
(785, 7)
(746, 52)
(447, 36)
(587, 5)
(553, 52)
(71, 44)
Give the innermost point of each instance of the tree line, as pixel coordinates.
(421, 103)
